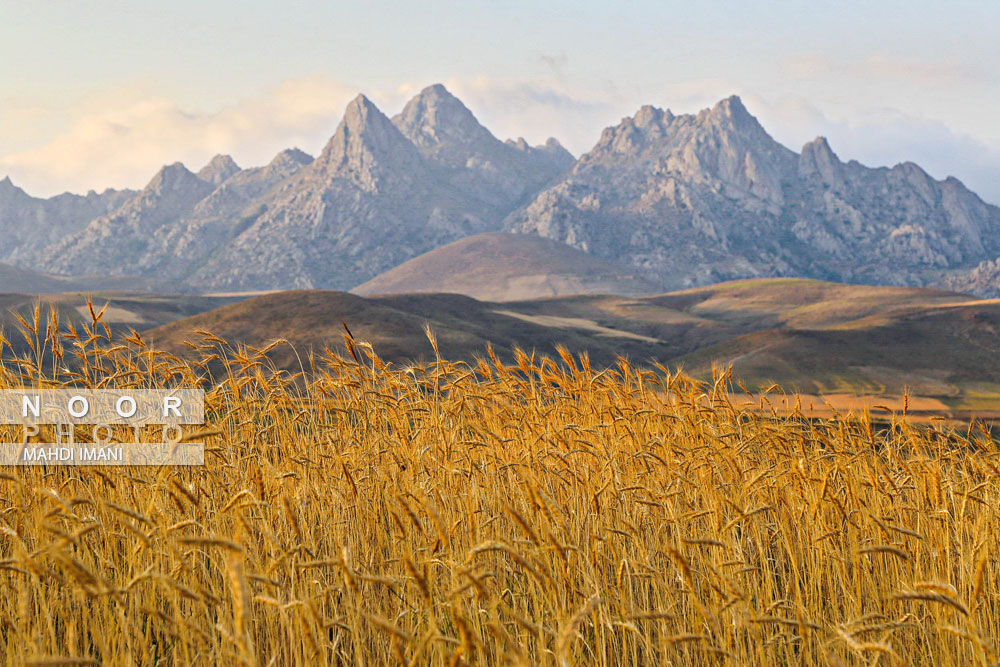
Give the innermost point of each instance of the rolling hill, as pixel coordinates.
(810, 336)
(19, 280)
(507, 267)
(125, 310)
(394, 325)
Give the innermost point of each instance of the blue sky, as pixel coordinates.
(96, 93)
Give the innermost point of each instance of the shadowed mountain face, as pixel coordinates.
(680, 200)
(700, 198)
(28, 224)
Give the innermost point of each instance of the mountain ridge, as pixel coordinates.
(687, 199)
(320, 222)
(700, 198)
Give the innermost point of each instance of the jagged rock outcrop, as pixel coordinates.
(218, 170)
(700, 198)
(983, 280)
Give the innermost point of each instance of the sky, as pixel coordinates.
(101, 93)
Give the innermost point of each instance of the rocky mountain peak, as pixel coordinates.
(291, 157)
(556, 152)
(173, 177)
(218, 169)
(817, 159)
(819, 146)
(8, 188)
(649, 115)
(363, 122)
(520, 144)
(11, 195)
(626, 138)
(366, 146)
(693, 198)
(918, 180)
(498, 174)
(553, 144)
(552, 149)
(712, 196)
(358, 111)
(435, 120)
(732, 108)
(731, 119)
(726, 132)
(912, 170)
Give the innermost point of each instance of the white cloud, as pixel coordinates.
(121, 139)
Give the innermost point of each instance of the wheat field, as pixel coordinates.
(533, 511)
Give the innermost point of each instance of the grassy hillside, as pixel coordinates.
(123, 311)
(394, 325)
(19, 280)
(806, 335)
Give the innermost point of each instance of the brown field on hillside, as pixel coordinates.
(535, 512)
(915, 409)
(806, 336)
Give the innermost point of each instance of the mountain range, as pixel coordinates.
(664, 200)
(697, 199)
